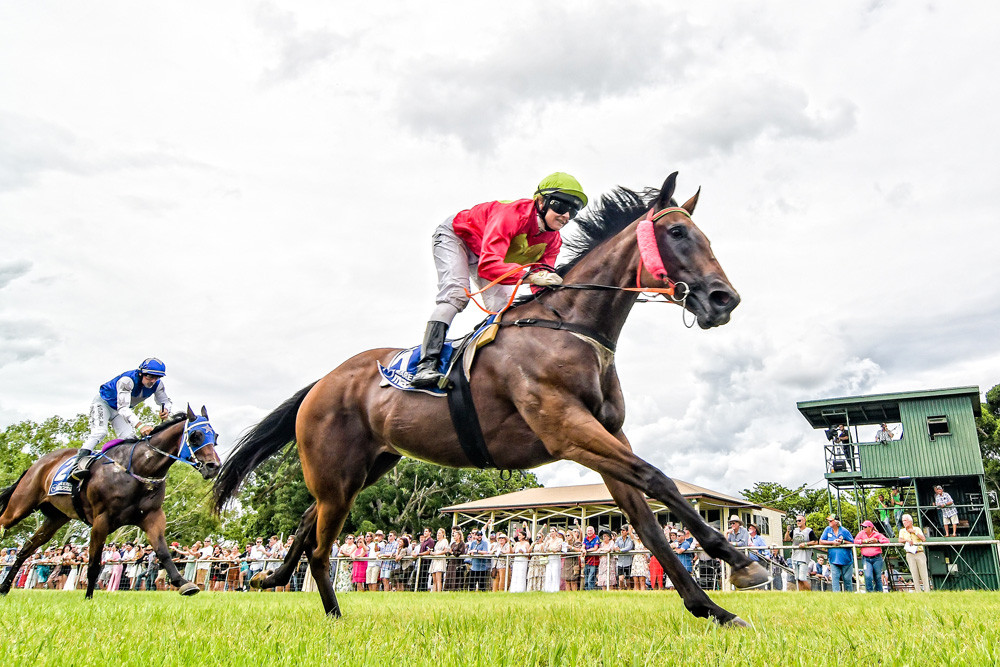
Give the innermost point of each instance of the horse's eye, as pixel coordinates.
(677, 231)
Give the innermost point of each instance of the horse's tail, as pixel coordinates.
(6, 494)
(260, 443)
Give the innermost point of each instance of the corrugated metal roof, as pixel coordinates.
(582, 494)
(876, 408)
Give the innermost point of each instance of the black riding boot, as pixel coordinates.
(427, 375)
(82, 463)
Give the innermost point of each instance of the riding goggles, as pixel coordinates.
(563, 206)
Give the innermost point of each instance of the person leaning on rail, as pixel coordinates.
(487, 243)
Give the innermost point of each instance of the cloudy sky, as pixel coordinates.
(247, 190)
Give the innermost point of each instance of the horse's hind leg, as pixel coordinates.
(48, 528)
(304, 542)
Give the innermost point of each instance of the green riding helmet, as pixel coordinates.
(563, 183)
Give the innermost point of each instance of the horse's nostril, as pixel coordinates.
(723, 299)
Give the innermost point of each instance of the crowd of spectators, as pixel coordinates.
(554, 559)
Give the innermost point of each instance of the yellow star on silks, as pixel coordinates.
(520, 252)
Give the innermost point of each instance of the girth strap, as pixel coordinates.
(76, 495)
(466, 420)
(564, 326)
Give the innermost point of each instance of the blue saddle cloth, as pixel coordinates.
(61, 483)
(403, 366)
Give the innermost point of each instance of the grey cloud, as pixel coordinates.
(30, 148)
(10, 271)
(21, 340)
(298, 50)
(732, 114)
(934, 337)
(744, 399)
(473, 99)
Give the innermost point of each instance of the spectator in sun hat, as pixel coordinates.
(756, 540)
(841, 560)
(737, 535)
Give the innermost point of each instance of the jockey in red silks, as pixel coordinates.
(483, 243)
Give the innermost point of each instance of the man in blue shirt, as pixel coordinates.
(683, 551)
(841, 560)
(480, 566)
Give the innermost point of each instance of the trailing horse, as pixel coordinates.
(128, 490)
(545, 389)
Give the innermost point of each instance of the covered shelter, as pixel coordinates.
(592, 504)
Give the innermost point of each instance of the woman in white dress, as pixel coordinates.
(439, 562)
(640, 565)
(606, 569)
(554, 545)
(519, 568)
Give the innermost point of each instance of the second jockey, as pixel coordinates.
(483, 243)
(114, 404)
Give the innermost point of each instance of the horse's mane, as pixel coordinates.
(163, 426)
(614, 212)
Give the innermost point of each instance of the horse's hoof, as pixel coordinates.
(750, 576)
(257, 580)
(736, 622)
(189, 589)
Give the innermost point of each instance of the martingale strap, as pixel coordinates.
(564, 326)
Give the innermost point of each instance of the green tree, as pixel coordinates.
(788, 500)
(407, 498)
(988, 427)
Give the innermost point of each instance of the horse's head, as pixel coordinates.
(699, 282)
(198, 444)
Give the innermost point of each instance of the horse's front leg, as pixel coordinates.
(155, 525)
(570, 431)
(632, 502)
(98, 535)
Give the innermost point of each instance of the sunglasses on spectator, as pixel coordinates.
(563, 206)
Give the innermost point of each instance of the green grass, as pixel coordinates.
(614, 629)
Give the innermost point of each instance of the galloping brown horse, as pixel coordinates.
(542, 394)
(129, 490)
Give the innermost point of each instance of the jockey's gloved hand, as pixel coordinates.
(544, 279)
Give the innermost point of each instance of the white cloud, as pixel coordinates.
(250, 196)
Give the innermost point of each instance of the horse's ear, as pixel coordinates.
(691, 203)
(204, 412)
(666, 191)
(191, 415)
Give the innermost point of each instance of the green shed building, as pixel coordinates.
(933, 442)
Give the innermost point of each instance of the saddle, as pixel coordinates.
(63, 485)
(456, 363)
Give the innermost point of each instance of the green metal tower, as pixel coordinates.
(934, 443)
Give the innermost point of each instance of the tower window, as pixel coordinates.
(937, 426)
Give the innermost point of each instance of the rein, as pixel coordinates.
(204, 427)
